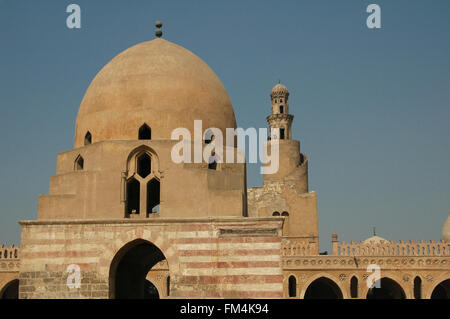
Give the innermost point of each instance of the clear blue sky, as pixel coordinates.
(371, 107)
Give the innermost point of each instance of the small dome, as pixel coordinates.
(279, 90)
(157, 83)
(374, 240)
(446, 230)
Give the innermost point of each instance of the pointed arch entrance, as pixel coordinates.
(442, 290)
(323, 288)
(11, 290)
(388, 289)
(129, 268)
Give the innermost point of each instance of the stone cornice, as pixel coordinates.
(154, 220)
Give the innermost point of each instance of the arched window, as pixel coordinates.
(285, 214)
(79, 163)
(275, 214)
(88, 139)
(417, 288)
(144, 165)
(292, 286)
(133, 196)
(209, 136)
(354, 287)
(168, 286)
(281, 109)
(153, 196)
(281, 133)
(145, 132)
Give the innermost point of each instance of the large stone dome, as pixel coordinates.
(158, 83)
(446, 230)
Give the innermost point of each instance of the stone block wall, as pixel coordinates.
(207, 258)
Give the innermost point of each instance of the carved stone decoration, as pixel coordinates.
(429, 278)
(342, 277)
(405, 278)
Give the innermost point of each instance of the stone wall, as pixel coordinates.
(207, 258)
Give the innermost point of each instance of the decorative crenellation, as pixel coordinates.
(299, 248)
(9, 253)
(391, 248)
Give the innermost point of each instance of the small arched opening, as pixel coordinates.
(153, 196)
(292, 289)
(281, 109)
(387, 289)
(209, 136)
(11, 290)
(145, 132)
(417, 288)
(442, 290)
(79, 163)
(282, 134)
(285, 214)
(323, 288)
(275, 214)
(88, 139)
(354, 287)
(133, 196)
(129, 268)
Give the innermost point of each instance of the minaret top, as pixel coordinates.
(158, 25)
(280, 118)
(279, 90)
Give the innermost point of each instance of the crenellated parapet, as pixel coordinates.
(299, 248)
(391, 248)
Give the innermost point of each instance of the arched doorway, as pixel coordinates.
(11, 290)
(442, 290)
(129, 268)
(323, 288)
(388, 289)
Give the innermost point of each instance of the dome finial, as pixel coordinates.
(158, 25)
(374, 233)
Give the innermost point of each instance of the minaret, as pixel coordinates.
(293, 166)
(287, 192)
(280, 117)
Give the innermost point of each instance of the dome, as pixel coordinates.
(279, 90)
(157, 83)
(375, 240)
(446, 230)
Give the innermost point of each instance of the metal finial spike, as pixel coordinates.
(158, 25)
(374, 233)
(279, 81)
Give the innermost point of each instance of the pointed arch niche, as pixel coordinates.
(142, 181)
(145, 132)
